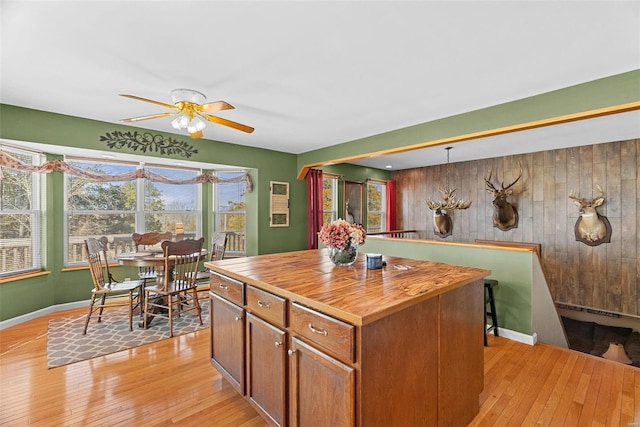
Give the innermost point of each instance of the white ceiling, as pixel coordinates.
(311, 74)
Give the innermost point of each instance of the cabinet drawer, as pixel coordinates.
(227, 288)
(331, 334)
(267, 305)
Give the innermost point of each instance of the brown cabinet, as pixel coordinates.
(344, 346)
(321, 388)
(266, 369)
(288, 381)
(227, 343)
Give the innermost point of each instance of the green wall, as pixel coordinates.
(512, 269)
(58, 287)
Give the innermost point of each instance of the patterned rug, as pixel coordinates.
(66, 344)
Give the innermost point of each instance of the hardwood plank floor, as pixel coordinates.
(172, 382)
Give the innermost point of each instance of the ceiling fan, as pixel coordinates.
(190, 111)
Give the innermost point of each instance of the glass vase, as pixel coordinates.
(344, 257)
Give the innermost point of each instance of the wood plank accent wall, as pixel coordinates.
(604, 277)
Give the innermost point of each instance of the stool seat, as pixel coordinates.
(489, 284)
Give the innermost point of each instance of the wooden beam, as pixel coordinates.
(584, 115)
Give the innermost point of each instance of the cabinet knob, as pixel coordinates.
(291, 351)
(263, 304)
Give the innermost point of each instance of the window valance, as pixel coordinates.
(61, 166)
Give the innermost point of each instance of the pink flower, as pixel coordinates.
(340, 234)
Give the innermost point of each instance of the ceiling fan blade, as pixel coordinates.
(225, 122)
(212, 107)
(153, 116)
(162, 104)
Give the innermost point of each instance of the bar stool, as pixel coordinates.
(489, 284)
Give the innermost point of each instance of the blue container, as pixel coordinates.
(374, 261)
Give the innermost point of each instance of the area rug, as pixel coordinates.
(66, 344)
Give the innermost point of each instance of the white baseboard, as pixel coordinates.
(518, 336)
(42, 312)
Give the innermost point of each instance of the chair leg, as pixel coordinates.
(86, 322)
(141, 302)
(102, 302)
(494, 315)
(485, 324)
(171, 313)
(131, 311)
(145, 314)
(196, 303)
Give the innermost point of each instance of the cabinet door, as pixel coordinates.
(322, 389)
(266, 369)
(227, 340)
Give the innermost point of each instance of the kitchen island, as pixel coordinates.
(311, 343)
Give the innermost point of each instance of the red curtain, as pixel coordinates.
(391, 205)
(314, 207)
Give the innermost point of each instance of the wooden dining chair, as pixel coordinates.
(178, 293)
(217, 250)
(144, 241)
(107, 292)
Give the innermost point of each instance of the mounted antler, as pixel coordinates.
(505, 216)
(448, 201)
(492, 189)
(581, 201)
(442, 224)
(591, 228)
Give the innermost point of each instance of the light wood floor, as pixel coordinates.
(172, 383)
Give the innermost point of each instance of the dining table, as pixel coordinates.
(147, 258)
(150, 257)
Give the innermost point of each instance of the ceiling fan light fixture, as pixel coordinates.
(180, 122)
(197, 124)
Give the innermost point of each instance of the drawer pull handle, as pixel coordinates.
(278, 344)
(318, 331)
(223, 286)
(263, 304)
(238, 318)
(291, 351)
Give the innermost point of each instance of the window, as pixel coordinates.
(229, 210)
(329, 199)
(172, 207)
(376, 206)
(116, 209)
(20, 216)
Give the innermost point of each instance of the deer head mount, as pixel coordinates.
(505, 215)
(591, 228)
(442, 223)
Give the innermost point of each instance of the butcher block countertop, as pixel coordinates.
(353, 294)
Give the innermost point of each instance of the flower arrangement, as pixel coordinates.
(340, 234)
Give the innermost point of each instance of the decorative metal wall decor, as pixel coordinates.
(591, 228)
(147, 142)
(505, 215)
(442, 222)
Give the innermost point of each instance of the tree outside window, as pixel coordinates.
(20, 216)
(329, 199)
(230, 211)
(118, 209)
(376, 206)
